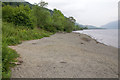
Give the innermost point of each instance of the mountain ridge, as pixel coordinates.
(88, 26)
(111, 25)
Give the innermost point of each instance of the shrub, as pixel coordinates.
(18, 15)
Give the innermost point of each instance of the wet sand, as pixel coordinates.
(66, 55)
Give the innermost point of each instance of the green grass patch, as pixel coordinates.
(8, 58)
(15, 34)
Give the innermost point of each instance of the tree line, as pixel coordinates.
(38, 16)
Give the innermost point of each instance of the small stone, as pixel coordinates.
(63, 62)
(82, 43)
(34, 43)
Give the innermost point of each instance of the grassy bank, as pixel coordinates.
(13, 35)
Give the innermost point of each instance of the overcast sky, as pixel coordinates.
(89, 12)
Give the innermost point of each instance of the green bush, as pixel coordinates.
(18, 15)
(7, 12)
(22, 19)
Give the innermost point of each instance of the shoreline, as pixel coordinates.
(94, 39)
(107, 39)
(66, 55)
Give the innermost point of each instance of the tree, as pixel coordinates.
(41, 17)
(58, 20)
(72, 19)
(43, 4)
(69, 26)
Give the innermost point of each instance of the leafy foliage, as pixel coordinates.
(41, 17)
(17, 15)
(38, 16)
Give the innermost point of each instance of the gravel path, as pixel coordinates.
(68, 55)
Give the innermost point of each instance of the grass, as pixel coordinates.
(13, 35)
(8, 57)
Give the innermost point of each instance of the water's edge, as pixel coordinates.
(107, 37)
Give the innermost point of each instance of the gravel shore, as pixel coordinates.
(66, 55)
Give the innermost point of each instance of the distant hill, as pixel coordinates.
(111, 25)
(91, 27)
(88, 26)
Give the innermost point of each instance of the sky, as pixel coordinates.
(86, 12)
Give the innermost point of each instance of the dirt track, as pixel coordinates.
(69, 55)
